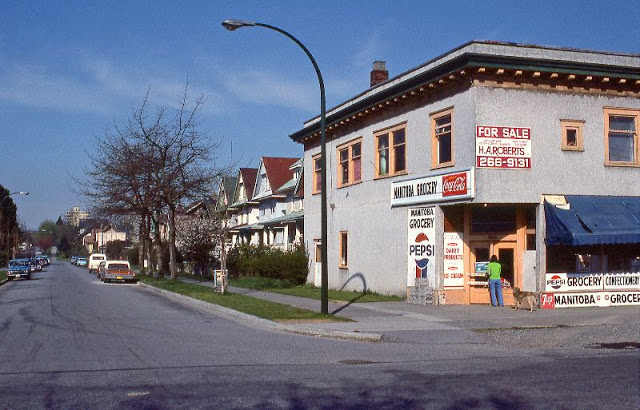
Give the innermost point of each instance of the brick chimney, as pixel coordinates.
(379, 74)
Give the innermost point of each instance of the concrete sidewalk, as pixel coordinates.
(391, 320)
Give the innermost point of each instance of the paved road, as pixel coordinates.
(69, 341)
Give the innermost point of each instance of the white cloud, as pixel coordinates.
(261, 87)
(37, 86)
(96, 85)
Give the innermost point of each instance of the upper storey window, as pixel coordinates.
(572, 135)
(317, 174)
(442, 139)
(391, 151)
(621, 137)
(350, 163)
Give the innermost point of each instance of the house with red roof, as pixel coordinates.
(268, 204)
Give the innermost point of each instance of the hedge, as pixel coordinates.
(266, 262)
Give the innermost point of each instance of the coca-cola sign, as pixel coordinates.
(454, 184)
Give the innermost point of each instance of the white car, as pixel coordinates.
(94, 261)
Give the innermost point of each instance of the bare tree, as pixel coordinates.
(152, 166)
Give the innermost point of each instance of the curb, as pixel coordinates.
(265, 324)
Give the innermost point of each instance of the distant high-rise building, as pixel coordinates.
(75, 215)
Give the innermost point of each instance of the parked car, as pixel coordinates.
(94, 261)
(19, 268)
(116, 271)
(73, 260)
(35, 265)
(82, 261)
(46, 260)
(42, 260)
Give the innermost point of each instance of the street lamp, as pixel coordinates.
(232, 25)
(14, 193)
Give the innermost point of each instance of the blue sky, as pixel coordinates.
(72, 69)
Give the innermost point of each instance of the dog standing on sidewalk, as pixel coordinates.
(531, 298)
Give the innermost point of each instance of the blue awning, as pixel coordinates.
(593, 220)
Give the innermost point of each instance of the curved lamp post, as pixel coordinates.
(14, 193)
(232, 25)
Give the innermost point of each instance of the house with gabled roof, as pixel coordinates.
(273, 174)
(225, 198)
(244, 210)
(287, 229)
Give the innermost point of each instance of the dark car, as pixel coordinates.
(36, 264)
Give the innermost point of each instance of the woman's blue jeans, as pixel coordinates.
(495, 288)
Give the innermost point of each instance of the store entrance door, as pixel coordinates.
(481, 252)
(506, 253)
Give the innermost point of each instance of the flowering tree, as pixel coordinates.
(196, 239)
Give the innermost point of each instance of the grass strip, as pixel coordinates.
(242, 303)
(309, 291)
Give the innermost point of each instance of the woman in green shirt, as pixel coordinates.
(495, 284)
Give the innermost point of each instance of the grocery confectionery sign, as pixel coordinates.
(421, 245)
(591, 289)
(503, 147)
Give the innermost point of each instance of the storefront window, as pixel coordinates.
(594, 259)
(493, 219)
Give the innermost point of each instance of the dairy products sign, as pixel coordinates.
(453, 276)
(421, 245)
(503, 147)
(437, 188)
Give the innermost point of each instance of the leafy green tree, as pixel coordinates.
(116, 249)
(9, 228)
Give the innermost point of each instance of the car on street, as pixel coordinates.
(73, 260)
(19, 268)
(116, 270)
(82, 261)
(36, 265)
(94, 261)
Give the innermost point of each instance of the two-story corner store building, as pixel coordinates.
(435, 170)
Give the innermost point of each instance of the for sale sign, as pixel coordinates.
(503, 147)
